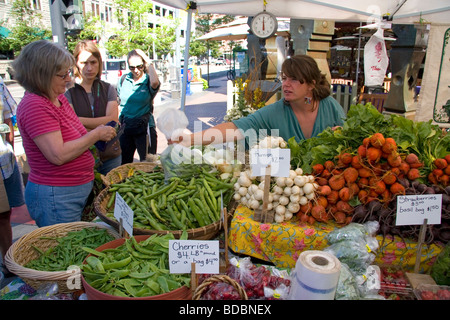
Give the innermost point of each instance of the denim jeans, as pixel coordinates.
(50, 205)
(110, 164)
(14, 188)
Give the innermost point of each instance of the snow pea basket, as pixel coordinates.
(44, 244)
(160, 206)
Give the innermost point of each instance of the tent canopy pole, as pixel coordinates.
(192, 6)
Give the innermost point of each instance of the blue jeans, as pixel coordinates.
(50, 205)
(110, 164)
(14, 188)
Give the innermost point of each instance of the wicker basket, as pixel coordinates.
(216, 279)
(21, 252)
(202, 233)
(122, 172)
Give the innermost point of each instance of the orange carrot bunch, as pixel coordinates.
(440, 172)
(374, 171)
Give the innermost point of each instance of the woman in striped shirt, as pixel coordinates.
(55, 141)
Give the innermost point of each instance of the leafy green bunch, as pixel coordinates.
(424, 139)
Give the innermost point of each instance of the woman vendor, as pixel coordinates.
(306, 110)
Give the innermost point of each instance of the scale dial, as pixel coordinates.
(264, 25)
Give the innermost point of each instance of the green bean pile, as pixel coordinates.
(174, 204)
(134, 269)
(69, 250)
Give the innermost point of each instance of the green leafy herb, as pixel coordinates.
(422, 138)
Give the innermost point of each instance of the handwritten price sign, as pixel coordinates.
(204, 253)
(278, 159)
(413, 209)
(124, 212)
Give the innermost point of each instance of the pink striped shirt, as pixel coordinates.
(37, 115)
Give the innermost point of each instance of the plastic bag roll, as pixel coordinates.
(316, 276)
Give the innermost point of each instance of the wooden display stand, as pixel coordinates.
(264, 215)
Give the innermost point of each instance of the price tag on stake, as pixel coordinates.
(413, 209)
(279, 160)
(122, 212)
(204, 253)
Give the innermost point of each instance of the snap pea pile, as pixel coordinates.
(69, 250)
(134, 269)
(177, 203)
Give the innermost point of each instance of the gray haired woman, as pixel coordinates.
(55, 141)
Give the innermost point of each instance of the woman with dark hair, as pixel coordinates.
(136, 92)
(94, 100)
(305, 111)
(55, 141)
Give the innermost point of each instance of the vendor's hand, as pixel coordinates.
(105, 133)
(181, 137)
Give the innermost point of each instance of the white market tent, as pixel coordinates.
(408, 11)
(230, 33)
(397, 11)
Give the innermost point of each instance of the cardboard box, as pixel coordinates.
(417, 279)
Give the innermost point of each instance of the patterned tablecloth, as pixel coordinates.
(282, 243)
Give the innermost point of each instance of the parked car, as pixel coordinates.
(113, 69)
(220, 61)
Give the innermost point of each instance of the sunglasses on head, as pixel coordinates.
(140, 67)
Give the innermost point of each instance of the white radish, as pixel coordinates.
(287, 191)
(293, 207)
(280, 209)
(295, 189)
(254, 204)
(308, 188)
(310, 196)
(283, 200)
(292, 174)
(259, 194)
(278, 190)
(243, 191)
(244, 180)
(300, 181)
(281, 181)
(294, 198)
(279, 218)
(303, 200)
(289, 182)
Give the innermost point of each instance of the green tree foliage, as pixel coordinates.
(206, 23)
(136, 33)
(27, 28)
(91, 31)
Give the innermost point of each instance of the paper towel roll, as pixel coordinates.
(316, 276)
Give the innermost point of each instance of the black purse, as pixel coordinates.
(136, 126)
